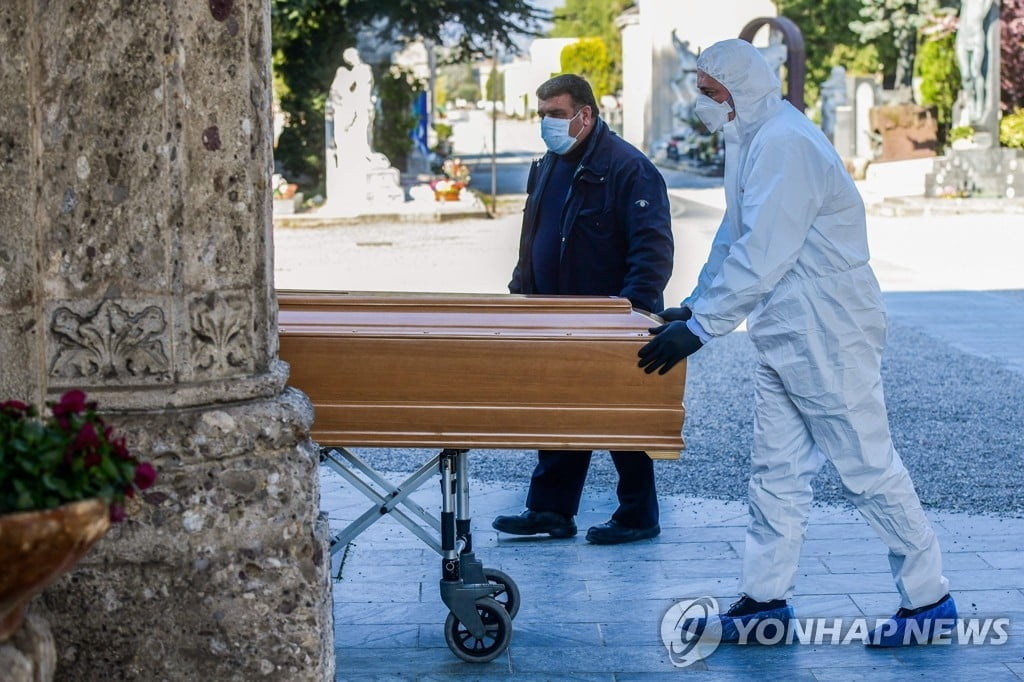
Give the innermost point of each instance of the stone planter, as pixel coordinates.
(37, 547)
(906, 131)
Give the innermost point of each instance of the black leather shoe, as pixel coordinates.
(612, 533)
(533, 522)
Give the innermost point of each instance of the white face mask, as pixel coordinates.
(555, 133)
(714, 115)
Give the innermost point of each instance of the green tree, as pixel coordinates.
(495, 86)
(937, 67)
(825, 26)
(892, 25)
(457, 81)
(308, 37)
(396, 91)
(589, 58)
(307, 46)
(594, 19)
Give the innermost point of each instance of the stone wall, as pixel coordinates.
(136, 264)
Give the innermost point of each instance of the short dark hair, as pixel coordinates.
(570, 84)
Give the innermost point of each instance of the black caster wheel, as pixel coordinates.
(497, 635)
(509, 595)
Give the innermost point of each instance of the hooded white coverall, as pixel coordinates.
(791, 256)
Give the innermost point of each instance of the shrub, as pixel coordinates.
(940, 79)
(1011, 130)
(961, 133)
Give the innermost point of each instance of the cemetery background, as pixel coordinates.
(873, 120)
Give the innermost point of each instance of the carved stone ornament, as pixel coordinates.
(109, 343)
(220, 341)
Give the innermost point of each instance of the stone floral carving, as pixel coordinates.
(110, 343)
(220, 339)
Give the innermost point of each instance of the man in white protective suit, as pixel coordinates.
(791, 256)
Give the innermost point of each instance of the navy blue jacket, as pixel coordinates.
(616, 225)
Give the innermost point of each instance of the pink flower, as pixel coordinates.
(14, 406)
(116, 512)
(86, 437)
(91, 459)
(71, 402)
(119, 448)
(145, 475)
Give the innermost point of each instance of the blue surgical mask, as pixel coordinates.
(555, 133)
(714, 115)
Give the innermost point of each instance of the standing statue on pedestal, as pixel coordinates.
(358, 179)
(977, 51)
(833, 95)
(352, 103)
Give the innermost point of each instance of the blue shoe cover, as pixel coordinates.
(919, 628)
(750, 624)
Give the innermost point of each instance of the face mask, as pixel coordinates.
(712, 114)
(555, 133)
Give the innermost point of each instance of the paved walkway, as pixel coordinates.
(594, 613)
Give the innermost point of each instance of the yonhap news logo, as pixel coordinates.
(691, 630)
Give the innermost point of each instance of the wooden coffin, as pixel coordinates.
(479, 371)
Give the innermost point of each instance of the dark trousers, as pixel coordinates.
(557, 485)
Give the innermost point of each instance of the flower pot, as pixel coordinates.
(447, 195)
(37, 547)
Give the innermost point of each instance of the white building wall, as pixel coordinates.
(700, 23)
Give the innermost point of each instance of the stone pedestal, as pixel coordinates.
(363, 186)
(981, 172)
(135, 264)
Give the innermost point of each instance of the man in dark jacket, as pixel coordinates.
(596, 223)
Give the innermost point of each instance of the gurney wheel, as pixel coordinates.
(509, 596)
(498, 633)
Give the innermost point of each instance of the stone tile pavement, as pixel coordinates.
(594, 613)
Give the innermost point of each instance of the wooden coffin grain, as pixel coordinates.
(479, 371)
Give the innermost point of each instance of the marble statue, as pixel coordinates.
(351, 100)
(833, 95)
(358, 180)
(974, 53)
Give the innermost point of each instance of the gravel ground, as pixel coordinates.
(956, 419)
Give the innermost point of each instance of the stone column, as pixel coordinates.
(136, 264)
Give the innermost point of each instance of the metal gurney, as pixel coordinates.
(460, 372)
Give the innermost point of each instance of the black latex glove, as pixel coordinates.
(671, 343)
(672, 314)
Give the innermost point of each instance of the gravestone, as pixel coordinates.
(843, 132)
(865, 94)
(833, 96)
